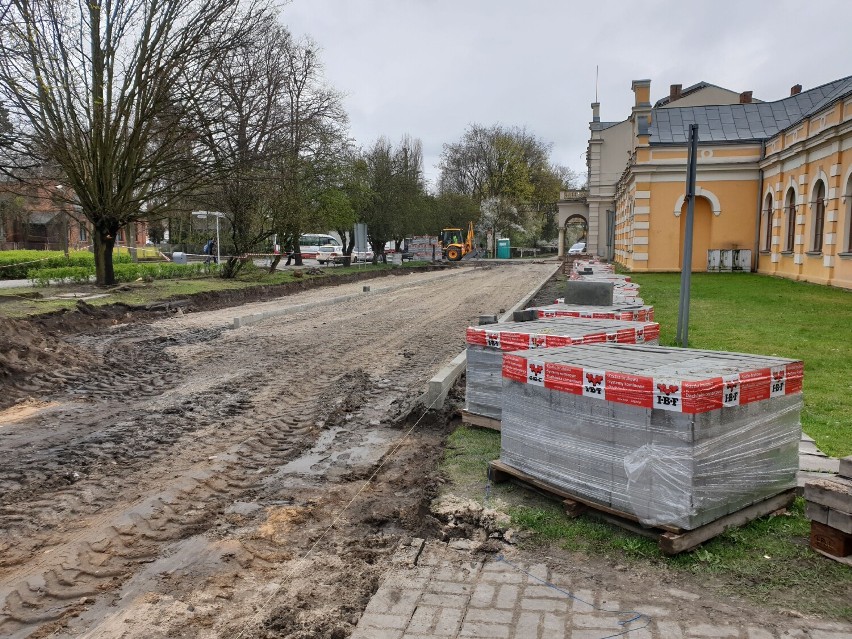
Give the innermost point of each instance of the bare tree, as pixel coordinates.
(243, 120)
(103, 89)
(314, 146)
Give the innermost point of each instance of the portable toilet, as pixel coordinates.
(503, 249)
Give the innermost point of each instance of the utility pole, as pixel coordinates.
(682, 338)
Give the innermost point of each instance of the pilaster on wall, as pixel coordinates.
(641, 225)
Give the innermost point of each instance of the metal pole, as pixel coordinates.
(218, 253)
(686, 268)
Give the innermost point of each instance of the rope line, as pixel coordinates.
(636, 615)
(263, 608)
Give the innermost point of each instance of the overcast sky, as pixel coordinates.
(430, 68)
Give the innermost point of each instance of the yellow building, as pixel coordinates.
(774, 182)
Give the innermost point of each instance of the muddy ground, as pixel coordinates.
(173, 476)
(165, 475)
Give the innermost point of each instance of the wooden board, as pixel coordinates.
(671, 540)
(842, 560)
(480, 420)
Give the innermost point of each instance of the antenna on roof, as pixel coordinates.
(596, 82)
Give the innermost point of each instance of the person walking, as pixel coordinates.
(210, 251)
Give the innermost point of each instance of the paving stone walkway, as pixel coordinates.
(445, 593)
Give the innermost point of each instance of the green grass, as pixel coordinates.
(768, 561)
(750, 313)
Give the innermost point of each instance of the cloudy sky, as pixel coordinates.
(430, 68)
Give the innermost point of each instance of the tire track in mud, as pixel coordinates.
(160, 449)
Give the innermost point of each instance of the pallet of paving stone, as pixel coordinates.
(486, 345)
(829, 507)
(635, 312)
(676, 437)
(671, 539)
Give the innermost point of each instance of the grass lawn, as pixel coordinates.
(750, 313)
(769, 560)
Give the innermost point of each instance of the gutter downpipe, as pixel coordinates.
(760, 208)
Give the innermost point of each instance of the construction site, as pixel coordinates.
(237, 468)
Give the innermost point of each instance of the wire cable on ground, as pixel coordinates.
(636, 616)
(264, 606)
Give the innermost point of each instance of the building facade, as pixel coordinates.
(774, 181)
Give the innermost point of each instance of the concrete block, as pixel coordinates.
(846, 467)
(832, 493)
(589, 293)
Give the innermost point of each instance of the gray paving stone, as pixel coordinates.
(449, 587)
(596, 621)
(447, 600)
(545, 605)
(384, 621)
(583, 601)
(707, 630)
(449, 620)
(683, 594)
(484, 630)
(759, 633)
(545, 592)
(483, 595)
(489, 615)
(668, 630)
(507, 596)
(423, 619)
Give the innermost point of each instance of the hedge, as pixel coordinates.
(16, 265)
(123, 272)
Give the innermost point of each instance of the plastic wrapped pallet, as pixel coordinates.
(486, 344)
(636, 312)
(674, 437)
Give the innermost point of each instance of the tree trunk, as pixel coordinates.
(104, 241)
(274, 264)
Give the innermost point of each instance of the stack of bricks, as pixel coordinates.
(632, 312)
(676, 437)
(486, 345)
(829, 507)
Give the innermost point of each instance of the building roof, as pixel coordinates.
(743, 122)
(691, 89)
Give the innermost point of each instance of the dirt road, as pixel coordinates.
(211, 482)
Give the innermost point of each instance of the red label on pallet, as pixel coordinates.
(561, 377)
(514, 341)
(554, 341)
(634, 390)
(476, 336)
(754, 386)
(795, 374)
(702, 396)
(515, 368)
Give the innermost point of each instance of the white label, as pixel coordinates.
(594, 383)
(492, 339)
(667, 395)
(731, 390)
(535, 372)
(778, 381)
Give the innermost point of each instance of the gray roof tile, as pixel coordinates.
(741, 122)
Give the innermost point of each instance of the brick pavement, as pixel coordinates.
(450, 593)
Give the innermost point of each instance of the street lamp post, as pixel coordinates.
(202, 215)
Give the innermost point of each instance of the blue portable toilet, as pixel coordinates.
(503, 249)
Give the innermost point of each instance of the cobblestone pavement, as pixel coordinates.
(448, 593)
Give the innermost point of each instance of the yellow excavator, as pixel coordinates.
(453, 246)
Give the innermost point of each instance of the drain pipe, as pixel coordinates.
(756, 259)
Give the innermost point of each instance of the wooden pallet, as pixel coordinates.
(671, 540)
(480, 420)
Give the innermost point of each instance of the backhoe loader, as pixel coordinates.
(453, 246)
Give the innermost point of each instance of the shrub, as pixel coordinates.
(16, 265)
(75, 274)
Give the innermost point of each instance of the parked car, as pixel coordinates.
(362, 256)
(578, 249)
(329, 254)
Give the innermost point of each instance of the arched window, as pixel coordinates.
(818, 208)
(767, 221)
(789, 244)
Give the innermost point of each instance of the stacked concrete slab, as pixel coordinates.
(588, 274)
(829, 507)
(632, 312)
(486, 345)
(674, 437)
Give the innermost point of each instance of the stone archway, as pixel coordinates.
(572, 208)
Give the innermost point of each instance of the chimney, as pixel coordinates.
(596, 111)
(796, 89)
(675, 92)
(745, 97)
